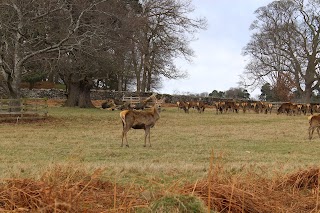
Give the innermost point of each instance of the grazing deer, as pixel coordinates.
(220, 105)
(244, 106)
(140, 120)
(109, 103)
(200, 106)
(191, 104)
(314, 121)
(183, 105)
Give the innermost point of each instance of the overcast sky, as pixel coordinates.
(218, 61)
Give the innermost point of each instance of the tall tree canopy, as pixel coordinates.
(166, 35)
(116, 44)
(285, 47)
(40, 32)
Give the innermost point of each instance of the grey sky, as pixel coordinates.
(218, 61)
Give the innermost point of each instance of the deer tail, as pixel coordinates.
(123, 116)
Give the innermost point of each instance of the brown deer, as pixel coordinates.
(109, 103)
(314, 121)
(200, 106)
(183, 105)
(285, 108)
(140, 120)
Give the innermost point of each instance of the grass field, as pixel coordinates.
(73, 162)
(181, 144)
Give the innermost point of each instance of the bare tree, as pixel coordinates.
(65, 34)
(101, 54)
(87, 41)
(286, 40)
(27, 31)
(166, 32)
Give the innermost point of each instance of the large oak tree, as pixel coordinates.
(285, 42)
(57, 32)
(90, 41)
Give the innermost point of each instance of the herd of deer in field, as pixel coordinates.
(255, 106)
(134, 116)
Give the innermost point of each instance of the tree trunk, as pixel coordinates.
(137, 69)
(13, 85)
(308, 94)
(119, 83)
(149, 79)
(146, 67)
(79, 94)
(144, 80)
(309, 78)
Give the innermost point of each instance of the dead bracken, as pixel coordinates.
(67, 190)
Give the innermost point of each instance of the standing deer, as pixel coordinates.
(140, 120)
(314, 121)
(183, 105)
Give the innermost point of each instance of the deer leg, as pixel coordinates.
(318, 131)
(145, 138)
(311, 129)
(149, 138)
(147, 134)
(122, 138)
(124, 135)
(127, 145)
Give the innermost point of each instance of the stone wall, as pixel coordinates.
(104, 94)
(61, 94)
(43, 93)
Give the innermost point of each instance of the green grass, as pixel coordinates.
(178, 203)
(181, 144)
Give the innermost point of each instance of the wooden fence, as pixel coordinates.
(132, 100)
(30, 108)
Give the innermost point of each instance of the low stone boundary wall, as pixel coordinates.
(104, 94)
(95, 94)
(43, 93)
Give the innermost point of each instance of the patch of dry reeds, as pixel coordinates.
(250, 192)
(59, 191)
(62, 189)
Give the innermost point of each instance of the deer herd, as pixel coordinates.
(136, 117)
(254, 106)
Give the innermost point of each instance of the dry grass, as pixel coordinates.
(70, 189)
(181, 143)
(250, 192)
(64, 189)
(259, 164)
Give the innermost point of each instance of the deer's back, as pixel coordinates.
(314, 120)
(139, 119)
